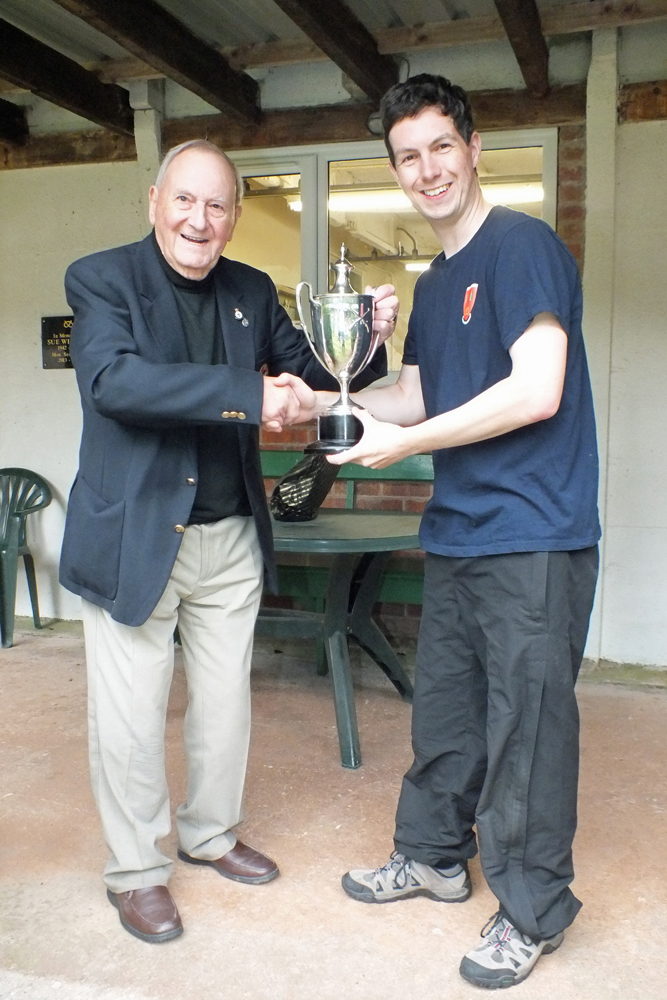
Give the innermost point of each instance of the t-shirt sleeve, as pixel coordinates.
(534, 273)
(410, 356)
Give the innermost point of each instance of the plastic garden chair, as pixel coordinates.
(22, 492)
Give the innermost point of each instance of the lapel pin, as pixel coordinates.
(238, 314)
(244, 322)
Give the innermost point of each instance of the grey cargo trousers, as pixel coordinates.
(496, 726)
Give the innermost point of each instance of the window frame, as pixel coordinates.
(312, 163)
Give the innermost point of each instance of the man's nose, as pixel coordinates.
(197, 217)
(430, 166)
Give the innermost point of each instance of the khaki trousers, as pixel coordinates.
(213, 596)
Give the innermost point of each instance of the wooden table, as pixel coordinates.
(359, 543)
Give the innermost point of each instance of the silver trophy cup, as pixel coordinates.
(339, 328)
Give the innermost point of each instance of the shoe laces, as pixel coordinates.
(497, 926)
(399, 865)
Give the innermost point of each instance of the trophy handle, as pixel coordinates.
(306, 306)
(374, 341)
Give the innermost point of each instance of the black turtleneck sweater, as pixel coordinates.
(221, 489)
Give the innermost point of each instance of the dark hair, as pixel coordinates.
(407, 99)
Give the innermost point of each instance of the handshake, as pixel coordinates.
(287, 400)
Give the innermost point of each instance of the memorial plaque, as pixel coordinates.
(55, 341)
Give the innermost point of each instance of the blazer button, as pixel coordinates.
(241, 416)
(233, 413)
(226, 413)
(179, 528)
(190, 481)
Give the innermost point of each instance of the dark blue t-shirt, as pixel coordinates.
(535, 488)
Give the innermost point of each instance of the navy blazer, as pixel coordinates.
(142, 402)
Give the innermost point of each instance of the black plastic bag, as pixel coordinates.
(302, 490)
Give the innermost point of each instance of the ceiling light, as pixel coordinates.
(513, 194)
(352, 202)
(394, 201)
(370, 201)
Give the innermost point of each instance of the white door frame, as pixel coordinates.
(312, 163)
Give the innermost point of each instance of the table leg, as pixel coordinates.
(335, 640)
(365, 630)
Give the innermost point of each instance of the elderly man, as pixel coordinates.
(494, 382)
(167, 522)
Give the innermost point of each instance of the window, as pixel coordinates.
(303, 203)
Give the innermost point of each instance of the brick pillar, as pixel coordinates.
(571, 202)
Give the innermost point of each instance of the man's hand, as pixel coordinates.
(306, 398)
(287, 400)
(382, 444)
(280, 405)
(386, 310)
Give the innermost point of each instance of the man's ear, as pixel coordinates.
(237, 215)
(475, 146)
(152, 202)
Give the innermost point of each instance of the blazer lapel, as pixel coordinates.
(159, 305)
(237, 319)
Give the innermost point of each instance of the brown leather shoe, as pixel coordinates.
(242, 864)
(149, 914)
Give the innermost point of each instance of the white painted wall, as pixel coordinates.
(51, 216)
(634, 612)
(48, 218)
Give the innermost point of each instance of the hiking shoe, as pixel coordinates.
(401, 878)
(505, 956)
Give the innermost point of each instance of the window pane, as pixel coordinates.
(386, 238)
(382, 233)
(513, 177)
(268, 235)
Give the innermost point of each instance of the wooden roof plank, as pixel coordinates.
(156, 37)
(556, 20)
(565, 20)
(340, 34)
(521, 21)
(30, 64)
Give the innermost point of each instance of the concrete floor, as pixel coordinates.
(300, 937)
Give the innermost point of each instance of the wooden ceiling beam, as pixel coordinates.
(493, 110)
(31, 65)
(521, 20)
(561, 20)
(153, 35)
(643, 102)
(65, 148)
(346, 41)
(13, 124)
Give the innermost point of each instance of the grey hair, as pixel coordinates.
(200, 144)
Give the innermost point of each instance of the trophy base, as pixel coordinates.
(336, 432)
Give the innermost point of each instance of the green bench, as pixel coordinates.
(307, 583)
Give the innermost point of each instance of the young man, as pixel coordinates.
(494, 382)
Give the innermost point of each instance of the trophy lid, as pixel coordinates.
(342, 268)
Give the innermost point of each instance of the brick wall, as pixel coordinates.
(402, 620)
(571, 205)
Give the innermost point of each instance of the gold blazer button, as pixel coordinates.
(233, 413)
(241, 416)
(179, 528)
(226, 413)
